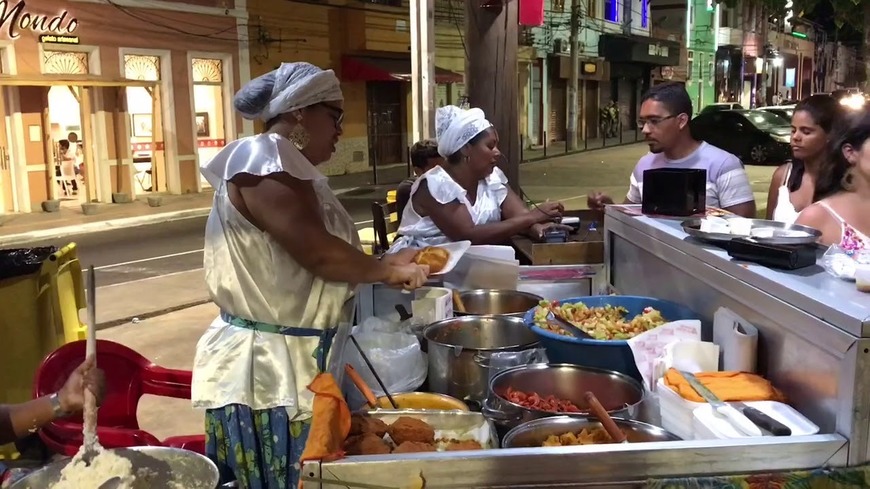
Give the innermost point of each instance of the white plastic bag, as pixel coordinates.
(842, 264)
(395, 354)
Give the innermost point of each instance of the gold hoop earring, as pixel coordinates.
(848, 180)
(299, 136)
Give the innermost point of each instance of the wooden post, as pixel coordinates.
(423, 68)
(491, 37)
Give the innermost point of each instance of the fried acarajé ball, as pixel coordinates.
(415, 447)
(456, 445)
(410, 429)
(367, 444)
(360, 425)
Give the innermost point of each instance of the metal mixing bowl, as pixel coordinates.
(500, 302)
(620, 394)
(183, 467)
(533, 433)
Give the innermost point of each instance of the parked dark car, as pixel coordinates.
(784, 111)
(720, 107)
(755, 136)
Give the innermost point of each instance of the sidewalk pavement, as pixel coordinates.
(169, 341)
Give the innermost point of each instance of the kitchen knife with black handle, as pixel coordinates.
(763, 421)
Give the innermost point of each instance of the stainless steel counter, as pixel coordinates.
(811, 346)
(811, 326)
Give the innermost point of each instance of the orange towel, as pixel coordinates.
(330, 423)
(728, 386)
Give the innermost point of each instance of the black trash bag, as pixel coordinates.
(23, 261)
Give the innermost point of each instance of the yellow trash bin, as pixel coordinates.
(39, 313)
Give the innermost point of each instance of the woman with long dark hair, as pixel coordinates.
(842, 191)
(793, 184)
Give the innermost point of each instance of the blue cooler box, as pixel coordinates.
(604, 354)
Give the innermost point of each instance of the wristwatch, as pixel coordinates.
(56, 407)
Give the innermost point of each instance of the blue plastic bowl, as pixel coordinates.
(603, 354)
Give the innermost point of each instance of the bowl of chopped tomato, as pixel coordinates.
(610, 320)
(528, 392)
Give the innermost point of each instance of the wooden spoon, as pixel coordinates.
(458, 305)
(606, 421)
(361, 385)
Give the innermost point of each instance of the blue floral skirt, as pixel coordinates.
(259, 448)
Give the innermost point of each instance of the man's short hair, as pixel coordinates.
(423, 151)
(672, 95)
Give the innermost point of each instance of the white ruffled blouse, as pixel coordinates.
(250, 276)
(419, 232)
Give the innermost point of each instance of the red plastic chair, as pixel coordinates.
(129, 375)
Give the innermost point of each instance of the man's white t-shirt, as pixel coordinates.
(727, 181)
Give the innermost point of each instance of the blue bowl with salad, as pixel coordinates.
(610, 320)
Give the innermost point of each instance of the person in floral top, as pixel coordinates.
(842, 210)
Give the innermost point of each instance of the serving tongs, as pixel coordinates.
(354, 376)
(555, 320)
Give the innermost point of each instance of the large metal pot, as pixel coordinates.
(166, 465)
(620, 394)
(497, 302)
(459, 350)
(534, 433)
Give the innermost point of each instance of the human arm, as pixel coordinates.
(817, 217)
(733, 188)
(773, 191)
(288, 210)
(403, 195)
(455, 222)
(513, 206)
(18, 420)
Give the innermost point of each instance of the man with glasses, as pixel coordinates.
(665, 113)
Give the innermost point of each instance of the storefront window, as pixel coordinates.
(208, 90)
(65, 62)
(141, 107)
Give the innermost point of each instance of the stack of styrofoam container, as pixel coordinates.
(676, 412)
(694, 420)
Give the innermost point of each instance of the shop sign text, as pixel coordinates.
(14, 18)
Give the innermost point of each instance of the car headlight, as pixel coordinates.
(781, 138)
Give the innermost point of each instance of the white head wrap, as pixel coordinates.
(291, 87)
(455, 127)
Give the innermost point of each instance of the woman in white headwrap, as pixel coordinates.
(468, 198)
(281, 259)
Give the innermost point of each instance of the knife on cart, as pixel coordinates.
(762, 420)
(727, 411)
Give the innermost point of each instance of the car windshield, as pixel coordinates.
(765, 120)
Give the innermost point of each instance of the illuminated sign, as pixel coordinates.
(788, 15)
(15, 18)
(52, 39)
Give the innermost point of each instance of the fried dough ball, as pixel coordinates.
(367, 444)
(411, 429)
(436, 258)
(415, 447)
(360, 425)
(457, 446)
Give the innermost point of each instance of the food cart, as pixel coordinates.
(813, 345)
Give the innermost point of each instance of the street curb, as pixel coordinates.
(97, 226)
(151, 314)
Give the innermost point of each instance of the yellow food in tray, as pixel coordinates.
(602, 323)
(586, 436)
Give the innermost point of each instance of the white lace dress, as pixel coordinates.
(419, 232)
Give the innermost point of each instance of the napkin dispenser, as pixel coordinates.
(674, 192)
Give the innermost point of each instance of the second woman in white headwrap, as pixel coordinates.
(468, 198)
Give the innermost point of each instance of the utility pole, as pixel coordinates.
(423, 68)
(492, 38)
(574, 83)
(764, 31)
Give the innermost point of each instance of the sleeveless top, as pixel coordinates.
(418, 232)
(249, 275)
(784, 210)
(850, 238)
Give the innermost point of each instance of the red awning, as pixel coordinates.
(371, 68)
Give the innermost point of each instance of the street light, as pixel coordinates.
(777, 61)
(759, 64)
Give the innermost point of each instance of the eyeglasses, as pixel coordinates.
(337, 114)
(654, 121)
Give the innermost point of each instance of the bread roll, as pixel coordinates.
(436, 258)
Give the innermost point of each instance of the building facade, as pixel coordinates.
(106, 101)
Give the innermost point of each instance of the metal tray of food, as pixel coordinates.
(454, 425)
(762, 231)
